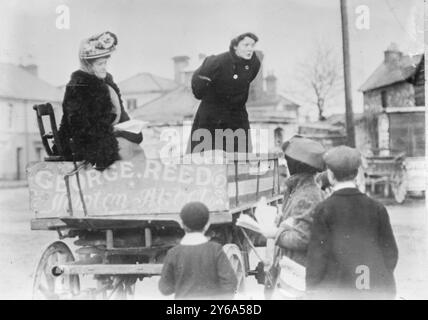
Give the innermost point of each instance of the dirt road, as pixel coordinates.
(20, 250)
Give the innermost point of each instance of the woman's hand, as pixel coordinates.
(269, 232)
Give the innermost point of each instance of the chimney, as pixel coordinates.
(393, 55)
(271, 85)
(31, 68)
(180, 64)
(256, 87)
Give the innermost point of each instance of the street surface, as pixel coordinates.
(21, 248)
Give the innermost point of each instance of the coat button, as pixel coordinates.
(235, 76)
(247, 67)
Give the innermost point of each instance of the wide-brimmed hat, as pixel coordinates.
(98, 46)
(305, 150)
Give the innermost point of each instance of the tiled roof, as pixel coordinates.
(18, 83)
(180, 104)
(386, 74)
(146, 82)
(266, 100)
(171, 107)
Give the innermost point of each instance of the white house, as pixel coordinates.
(20, 142)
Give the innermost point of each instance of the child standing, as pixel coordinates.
(352, 252)
(197, 268)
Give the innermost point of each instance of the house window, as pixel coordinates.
(19, 163)
(384, 99)
(407, 133)
(10, 114)
(131, 104)
(419, 95)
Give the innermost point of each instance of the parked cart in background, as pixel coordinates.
(390, 173)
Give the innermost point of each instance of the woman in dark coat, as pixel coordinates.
(92, 106)
(222, 82)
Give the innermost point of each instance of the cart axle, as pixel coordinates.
(108, 269)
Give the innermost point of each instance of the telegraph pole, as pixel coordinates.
(350, 131)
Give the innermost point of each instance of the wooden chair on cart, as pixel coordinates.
(42, 111)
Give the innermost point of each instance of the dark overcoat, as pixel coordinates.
(352, 252)
(88, 119)
(222, 82)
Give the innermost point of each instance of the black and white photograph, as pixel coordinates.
(232, 150)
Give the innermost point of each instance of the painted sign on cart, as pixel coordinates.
(127, 187)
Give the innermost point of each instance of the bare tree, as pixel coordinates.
(320, 77)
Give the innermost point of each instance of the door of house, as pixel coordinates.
(407, 133)
(20, 165)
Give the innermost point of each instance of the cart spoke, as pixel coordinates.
(235, 264)
(48, 294)
(50, 281)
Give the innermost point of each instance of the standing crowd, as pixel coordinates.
(344, 241)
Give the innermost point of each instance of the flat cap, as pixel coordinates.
(305, 150)
(342, 158)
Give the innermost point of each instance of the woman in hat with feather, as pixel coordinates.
(92, 106)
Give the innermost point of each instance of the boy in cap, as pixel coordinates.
(197, 268)
(352, 252)
(302, 194)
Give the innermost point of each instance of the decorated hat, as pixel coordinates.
(98, 46)
(305, 150)
(342, 158)
(194, 215)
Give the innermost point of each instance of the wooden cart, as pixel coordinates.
(389, 172)
(126, 218)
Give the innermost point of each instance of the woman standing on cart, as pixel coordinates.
(222, 82)
(92, 106)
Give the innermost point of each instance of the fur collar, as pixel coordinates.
(82, 77)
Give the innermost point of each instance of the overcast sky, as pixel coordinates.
(150, 32)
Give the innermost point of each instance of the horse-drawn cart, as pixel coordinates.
(125, 218)
(389, 172)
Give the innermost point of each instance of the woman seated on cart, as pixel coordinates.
(92, 107)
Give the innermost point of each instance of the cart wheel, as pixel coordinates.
(46, 285)
(399, 185)
(235, 257)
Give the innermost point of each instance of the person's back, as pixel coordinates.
(197, 268)
(199, 271)
(352, 252)
(361, 254)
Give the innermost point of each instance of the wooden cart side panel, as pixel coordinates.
(148, 187)
(143, 187)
